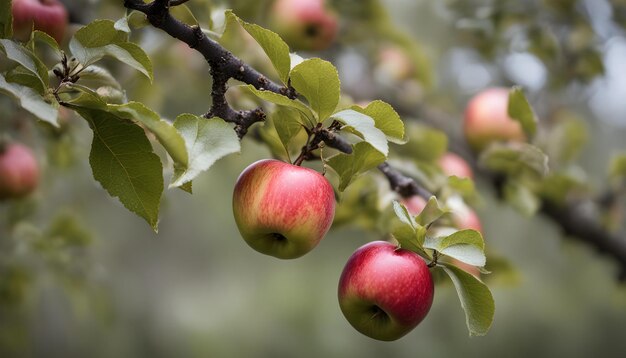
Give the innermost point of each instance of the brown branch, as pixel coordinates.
(402, 184)
(224, 65)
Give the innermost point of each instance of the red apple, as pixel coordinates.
(19, 171)
(385, 291)
(304, 24)
(282, 210)
(49, 16)
(451, 164)
(487, 119)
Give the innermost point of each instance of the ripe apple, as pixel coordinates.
(451, 164)
(385, 291)
(304, 24)
(19, 171)
(487, 119)
(282, 210)
(49, 16)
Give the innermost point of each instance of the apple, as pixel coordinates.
(394, 63)
(487, 119)
(19, 171)
(49, 16)
(452, 164)
(304, 24)
(385, 291)
(282, 210)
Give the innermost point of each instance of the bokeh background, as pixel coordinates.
(196, 290)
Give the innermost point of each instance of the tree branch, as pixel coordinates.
(224, 65)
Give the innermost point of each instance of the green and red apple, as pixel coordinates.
(307, 25)
(49, 16)
(385, 291)
(19, 171)
(487, 119)
(282, 210)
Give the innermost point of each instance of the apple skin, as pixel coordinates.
(19, 171)
(452, 164)
(304, 24)
(282, 210)
(384, 291)
(49, 16)
(487, 119)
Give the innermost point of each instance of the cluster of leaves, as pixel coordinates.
(467, 246)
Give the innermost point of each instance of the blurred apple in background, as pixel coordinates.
(487, 119)
(49, 16)
(19, 171)
(452, 164)
(306, 25)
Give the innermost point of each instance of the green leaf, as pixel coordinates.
(100, 76)
(476, 300)
(515, 159)
(100, 38)
(521, 197)
(567, 137)
(184, 15)
(207, 140)
(31, 101)
(386, 119)
(165, 132)
(122, 24)
(556, 187)
(431, 212)
(424, 143)
(21, 76)
(318, 81)
(617, 168)
(6, 19)
(98, 33)
(348, 166)
(26, 58)
(124, 164)
(411, 239)
(520, 110)
(463, 186)
(409, 234)
(403, 214)
(275, 48)
(282, 101)
(87, 99)
(287, 124)
(464, 245)
(40, 36)
(363, 126)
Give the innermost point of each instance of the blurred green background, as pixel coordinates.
(196, 290)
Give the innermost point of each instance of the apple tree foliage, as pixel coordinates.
(307, 116)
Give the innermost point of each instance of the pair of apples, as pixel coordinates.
(384, 291)
(285, 210)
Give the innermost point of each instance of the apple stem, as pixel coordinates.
(433, 263)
